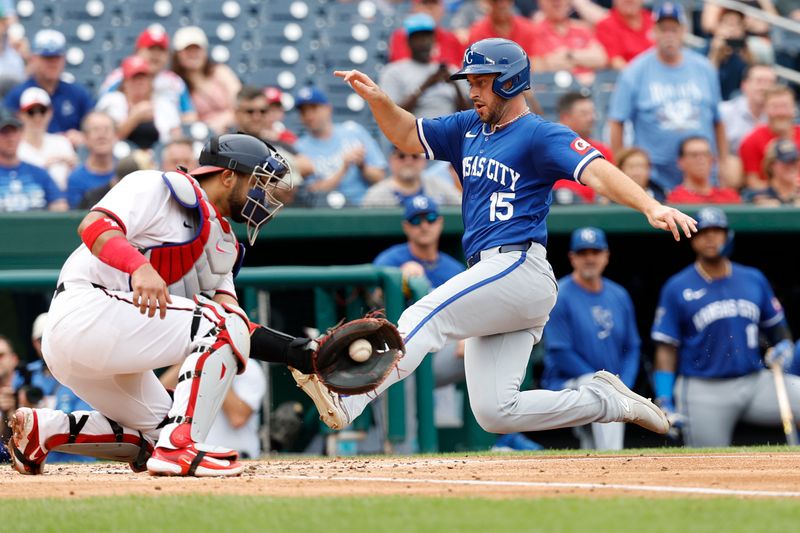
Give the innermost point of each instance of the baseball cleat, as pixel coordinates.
(196, 460)
(27, 455)
(329, 404)
(635, 408)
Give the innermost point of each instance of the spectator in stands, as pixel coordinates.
(275, 130)
(346, 158)
(592, 327)
(254, 115)
(23, 187)
(780, 108)
(565, 44)
(576, 111)
(728, 51)
(178, 153)
(447, 47)
(742, 114)
(12, 66)
(143, 116)
(51, 151)
(668, 93)
(153, 45)
(407, 180)
(98, 167)
(136, 160)
(238, 421)
(712, 14)
(420, 85)
(782, 167)
(500, 21)
(213, 86)
(635, 162)
(696, 161)
(625, 32)
(71, 101)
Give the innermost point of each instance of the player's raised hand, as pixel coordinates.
(670, 219)
(361, 84)
(150, 291)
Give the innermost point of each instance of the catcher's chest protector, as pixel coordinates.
(200, 264)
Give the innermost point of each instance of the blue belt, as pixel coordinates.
(516, 247)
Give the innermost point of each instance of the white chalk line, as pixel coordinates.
(556, 485)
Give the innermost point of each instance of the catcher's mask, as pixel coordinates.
(268, 170)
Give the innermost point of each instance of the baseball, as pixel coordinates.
(360, 350)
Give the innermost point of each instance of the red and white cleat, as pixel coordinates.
(193, 458)
(27, 455)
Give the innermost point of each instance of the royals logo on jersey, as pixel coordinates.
(507, 174)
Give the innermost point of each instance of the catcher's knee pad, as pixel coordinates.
(206, 375)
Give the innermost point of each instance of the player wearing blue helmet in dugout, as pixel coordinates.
(708, 323)
(507, 160)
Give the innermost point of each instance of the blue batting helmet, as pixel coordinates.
(498, 56)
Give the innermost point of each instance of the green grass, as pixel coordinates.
(231, 513)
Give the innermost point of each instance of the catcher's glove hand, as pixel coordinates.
(340, 373)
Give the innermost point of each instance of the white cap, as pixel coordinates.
(33, 96)
(38, 326)
(186, 37)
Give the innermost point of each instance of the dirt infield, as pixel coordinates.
(741, 475)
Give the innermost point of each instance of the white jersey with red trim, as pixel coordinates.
(148, 214)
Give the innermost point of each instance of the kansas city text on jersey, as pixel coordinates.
(490, 169)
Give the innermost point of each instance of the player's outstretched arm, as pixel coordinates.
(399, 126)
(612, 183)
(106, 240)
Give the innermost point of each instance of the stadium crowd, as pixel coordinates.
(704, 122)
(710, 123)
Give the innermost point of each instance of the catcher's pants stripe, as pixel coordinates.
(463, 292)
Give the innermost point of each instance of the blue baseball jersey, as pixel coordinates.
(715, 323)
(590, 331)
(437, 272)
(508, 175)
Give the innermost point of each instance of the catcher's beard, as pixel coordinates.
(237, 199)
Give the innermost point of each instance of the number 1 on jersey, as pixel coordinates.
(501, 200)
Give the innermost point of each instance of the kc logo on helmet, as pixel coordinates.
(580, 146)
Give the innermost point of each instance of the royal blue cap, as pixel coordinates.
(310, 95)
(588, 239)
(669, 10)
(711, 217)
(786, 151)
(49, 43)
(419, 205)
(418, 22)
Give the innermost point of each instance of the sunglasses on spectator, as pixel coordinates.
(36, 110)
(416, 220)
(259, 110)
(401, 155)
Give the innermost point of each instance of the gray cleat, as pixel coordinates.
(635, 408)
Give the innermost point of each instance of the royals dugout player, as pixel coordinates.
(707, 325)
(507, 160)
(151, 246)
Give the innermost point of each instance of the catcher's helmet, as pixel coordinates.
(500, 56)
(245, 154)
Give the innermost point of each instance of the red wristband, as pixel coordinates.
(118, 253)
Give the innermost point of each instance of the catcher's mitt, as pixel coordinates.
(340, 373)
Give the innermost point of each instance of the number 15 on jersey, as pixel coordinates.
(501, 207)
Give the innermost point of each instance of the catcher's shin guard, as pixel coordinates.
(204, 380)
(36, 432)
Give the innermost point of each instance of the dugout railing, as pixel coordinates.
(256, 283)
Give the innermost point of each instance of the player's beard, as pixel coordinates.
(237, 200)
(495, 113)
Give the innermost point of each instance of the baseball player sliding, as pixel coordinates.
(507, 160)
(130, 300)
